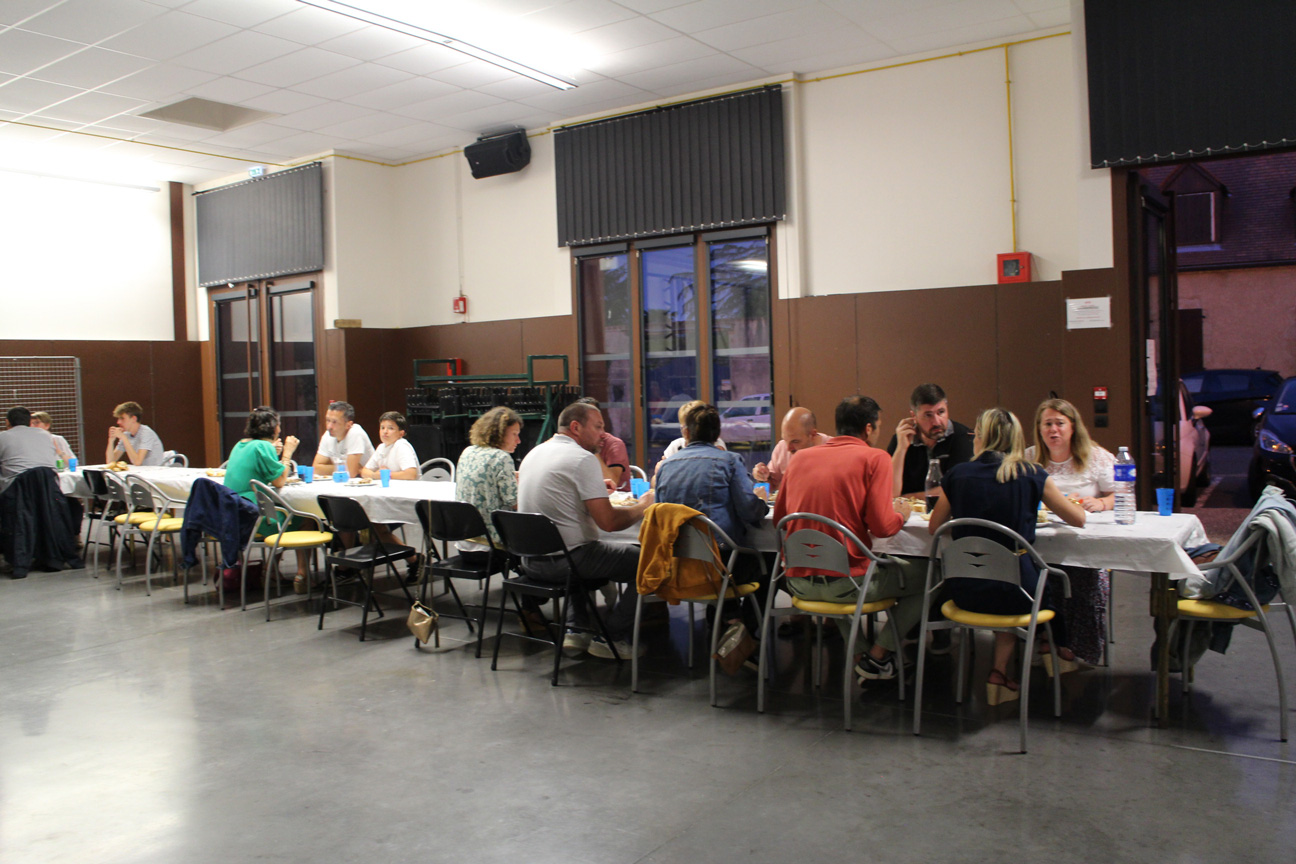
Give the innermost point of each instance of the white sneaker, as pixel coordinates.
(599, 648)
(576, 643)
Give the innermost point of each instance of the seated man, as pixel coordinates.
(344, 445)
(927, 433)
(23, 446)
(394, 453)
(800, 430)
(561, 479)
(130, 440)
(848, 480)
(62, 450)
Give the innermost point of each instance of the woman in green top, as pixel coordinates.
(255, 458)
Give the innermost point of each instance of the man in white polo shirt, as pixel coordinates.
(563, 479)
(344, 445)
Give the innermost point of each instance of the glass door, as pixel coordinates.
(236, 322)
(741, 362)
(290, 332)
(1156, 291)
(607, 340)
(668, 286)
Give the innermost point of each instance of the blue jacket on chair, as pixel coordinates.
(215, 510)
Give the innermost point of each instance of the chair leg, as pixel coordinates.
(499, 628)
(481, 615)
(691, 628)
(716, 627)
(454, 593)
(966, 637)
(899, 654)
(558, 636)
(1185, 656)
(634, 650)
(1282, 686)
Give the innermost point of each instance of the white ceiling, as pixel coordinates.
(75, 74)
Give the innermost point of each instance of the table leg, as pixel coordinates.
(1164, 607)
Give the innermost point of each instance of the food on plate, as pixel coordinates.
(215, 472)
(118, 466)
(359, 481)
(919, 507)
(623, 499)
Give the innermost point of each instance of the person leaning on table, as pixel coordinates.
(800, 430)
(130, 440)
(1000, 485)
(344, 445)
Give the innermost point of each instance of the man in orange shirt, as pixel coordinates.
(848, 480)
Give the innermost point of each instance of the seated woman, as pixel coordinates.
(254, 458)
(1083, 471)
(486, 476)
(62, 450)
(683, 441)
(715, 483)
(394, 453)
(1000, 485)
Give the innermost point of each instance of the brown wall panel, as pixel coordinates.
(822, 355)
(941, 335)
(1031, 332)
(176, 398)
(553, 335)
(368, 359)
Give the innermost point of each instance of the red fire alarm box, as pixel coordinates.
(461, 305)
(1014, 267)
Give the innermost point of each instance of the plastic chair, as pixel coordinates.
(437, 470)
(694, 543)
(274, 510)
(346, 515)
(533, 535)
(148, 518)
(982, 558)
(1256, 618)
(449, 522)
(824, 554)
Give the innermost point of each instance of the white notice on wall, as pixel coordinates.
(1088, 313)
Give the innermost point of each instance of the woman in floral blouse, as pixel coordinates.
(485, 476)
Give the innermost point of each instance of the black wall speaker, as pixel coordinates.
(499, 154)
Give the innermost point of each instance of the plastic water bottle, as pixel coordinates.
(1125, 474)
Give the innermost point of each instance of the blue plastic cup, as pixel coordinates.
(306, 472)
(384, 475)
(762, 491)
(72, 464)
(1165, 501)
(341, 476)
(638, 487)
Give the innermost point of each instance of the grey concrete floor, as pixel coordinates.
(138, 729)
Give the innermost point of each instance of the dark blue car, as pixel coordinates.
(1275, 442)
(1233, 395)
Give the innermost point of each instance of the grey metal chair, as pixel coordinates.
(172, 459)
(638, 473)
(981, 558)
(825, 554)
(148, 519)
(274, 511)
(1255, 552)
(439, 469)
(695, 544)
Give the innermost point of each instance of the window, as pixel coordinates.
(702, 306)
(1195, 219)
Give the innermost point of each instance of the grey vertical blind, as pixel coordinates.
(268, 226)
(706, 164)
(1175, 79)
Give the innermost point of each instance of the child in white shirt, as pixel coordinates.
(394, 453)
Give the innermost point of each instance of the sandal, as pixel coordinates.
(1066, 659)
(1000, 688)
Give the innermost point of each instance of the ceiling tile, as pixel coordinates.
(963, 35)
(515, 87)
(424, 59)
(691, 71)
(485, 121)
(15, 11)
(163, 82)
(128, 126)
(25, 95)
(176, 135)
(304, 144)
(12, 133)
(357, 79)
(413, 136)
(705, 14)
(328, 114)
(647, 7)
(242, 13)
(624, 35)
(302, 65)
(449, 105)
(812, 54)
(309, 26)
(372, 43)
(92, 107)
(22, 51)
(169, 35)
(1030, 7)
(239, 51)
(408, 92)
(233, 90)
(92, 21)
(570, 103)
(92, 68)
(863, 12)
(772, 28)
(1056, 17)
(577, 15)
(927, 23)
(361, 127)
(250, 136)
(654, 56)
(283, 102)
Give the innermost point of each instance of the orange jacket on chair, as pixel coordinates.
(660, 572)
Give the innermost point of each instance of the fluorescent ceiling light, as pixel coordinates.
(369, 17)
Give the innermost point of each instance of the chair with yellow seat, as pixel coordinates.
(978, 557)
(275, 512)
(148, 518)
(697, 541)
(1253, 555)
(826, 555)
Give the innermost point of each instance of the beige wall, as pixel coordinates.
(1249, 316)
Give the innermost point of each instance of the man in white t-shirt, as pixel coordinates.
(562, 479)
(344, 446)
(394, 453)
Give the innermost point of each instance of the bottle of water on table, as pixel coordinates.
(1125, 475)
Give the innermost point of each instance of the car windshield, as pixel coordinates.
(1285, 401)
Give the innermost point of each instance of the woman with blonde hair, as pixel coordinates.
(1000, 484)
(1083, 470)
(486, 476)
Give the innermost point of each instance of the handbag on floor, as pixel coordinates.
(736, 645)
(423, 623)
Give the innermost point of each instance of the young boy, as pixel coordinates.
(394, 453)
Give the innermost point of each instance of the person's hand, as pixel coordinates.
(760, 472)
(647, 497)
(279, 446)
(291, 443)
(611, 487)
(1093, 505)
(903, 507)
(905, 431)
(114, 433)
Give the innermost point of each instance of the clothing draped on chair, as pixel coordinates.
(36, 531)
(215, 510)
(660, 572)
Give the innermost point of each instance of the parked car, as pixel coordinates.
(1275, 441)
(1194, 447)
(1233, 395)
(747, 423)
